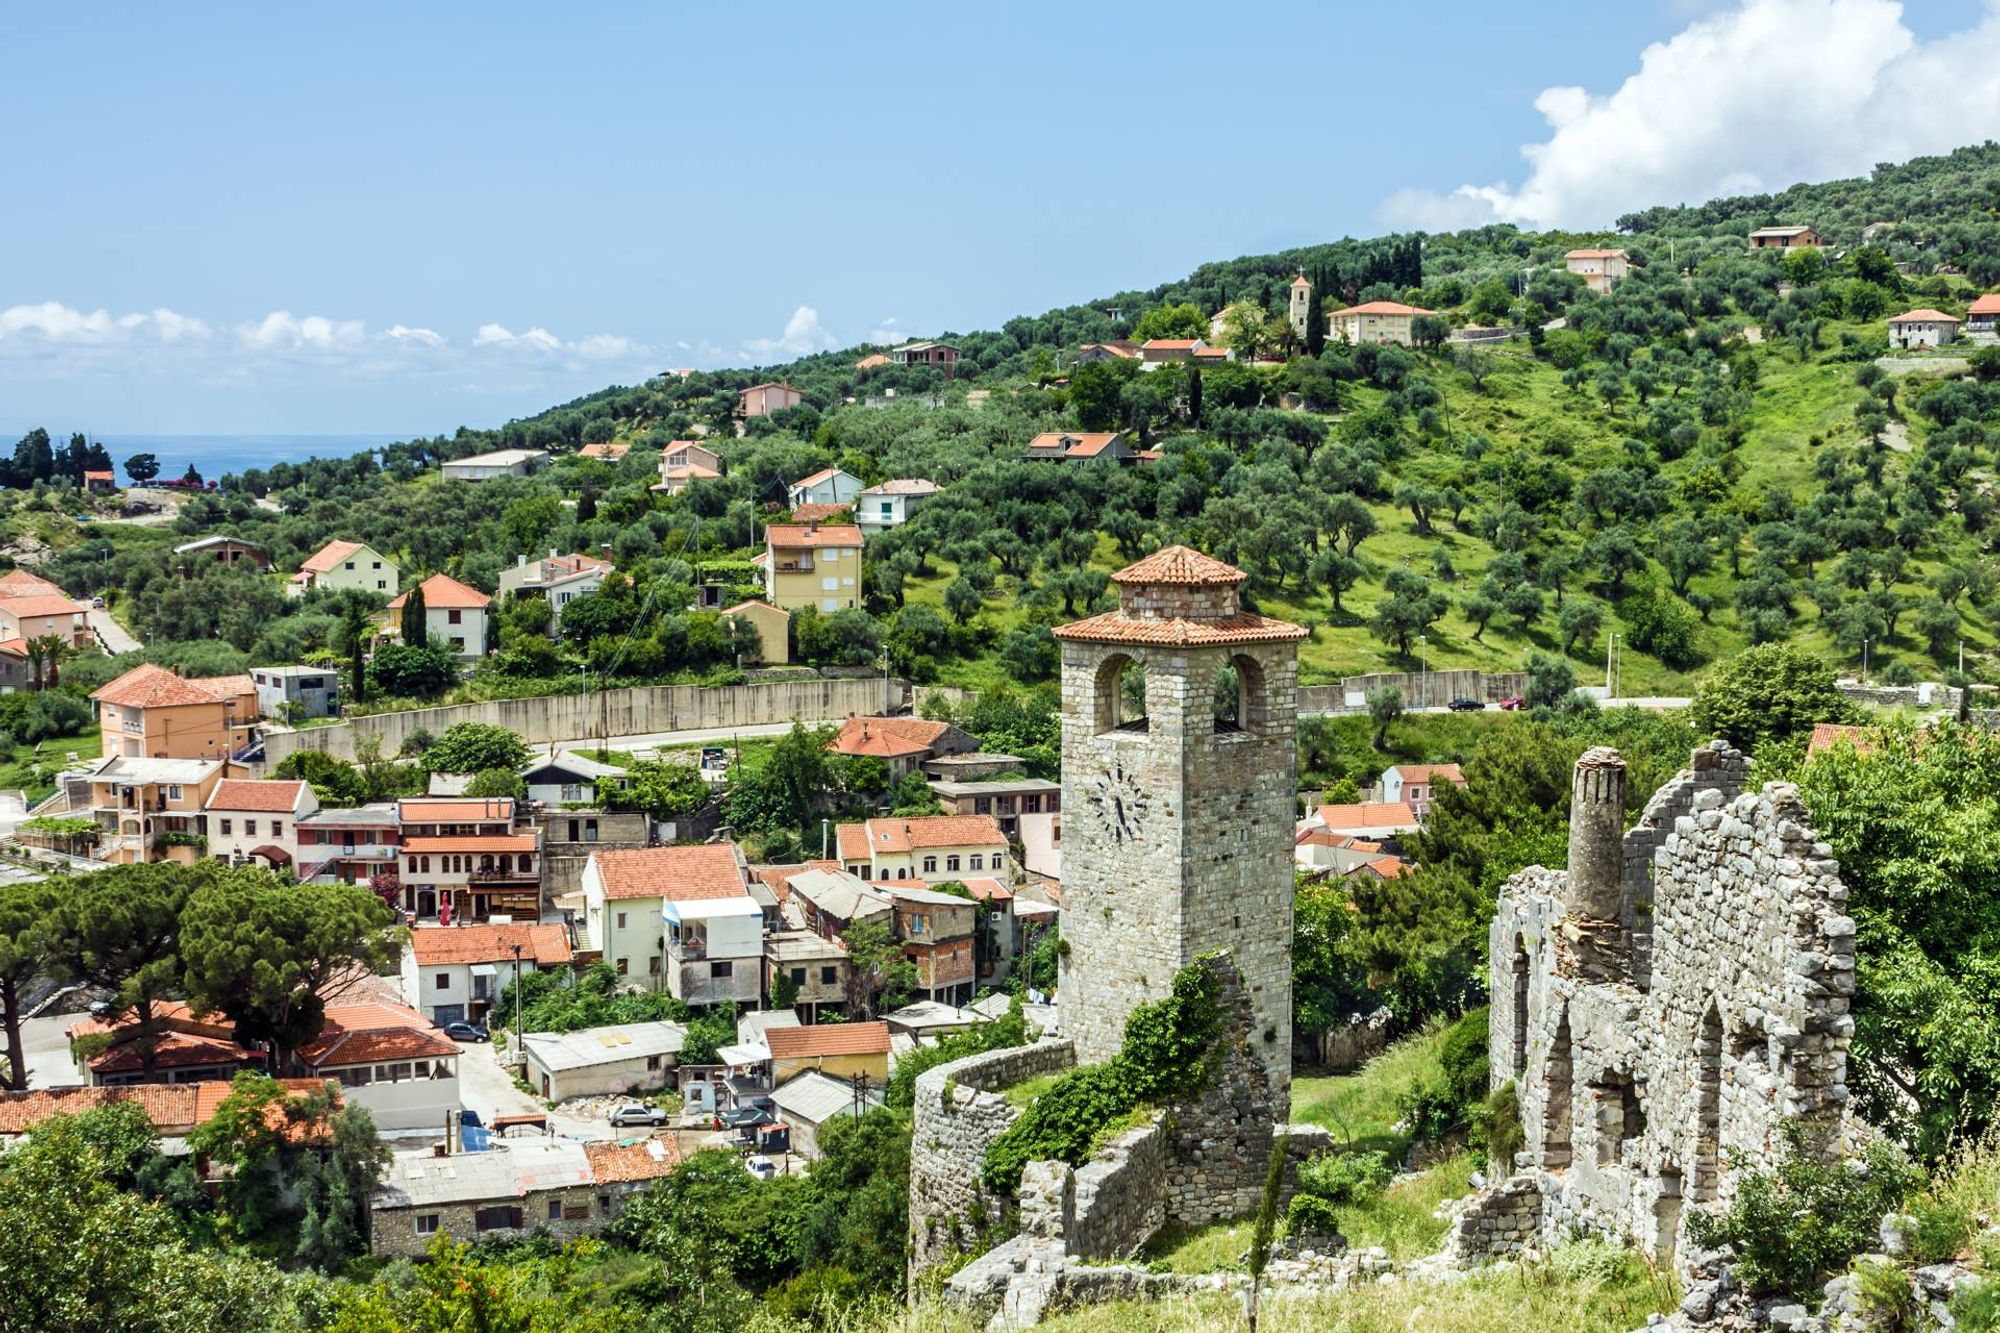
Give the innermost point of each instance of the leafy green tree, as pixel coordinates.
(267, 952)
(1769, 693)
(1096, 389)
(788, 790)
(913, 796)
(415, 628)
(1580, 620)
(472, 747)
(1385, 709)
(407, 671)
(1184, 320)
(1937, 623)
(1352, 519)
(1336, 573)
(879, 975)
(142, 468)
(1479, 606)
(24, 960)
(1550, 681)
(490, 783)
(962, 600)
(1409, 608)
(663, 790)
(352, 635)
(119, 931)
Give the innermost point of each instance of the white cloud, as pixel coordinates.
(491, 334)
(541, 337)
(1754, 98)
(280, 329)
(404, 333)
(803, 336)
(888, 331)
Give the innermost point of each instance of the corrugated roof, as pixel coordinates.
(586, 1048)
(815, 1098)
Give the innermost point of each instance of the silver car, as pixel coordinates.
(637, 1113)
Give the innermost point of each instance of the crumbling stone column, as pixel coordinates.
(1593, 895)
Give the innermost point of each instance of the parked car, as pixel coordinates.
(637, 1113)
(465, 1031)
(97, 603)
(1513, 703)
(1465, 705)
(761, 1166)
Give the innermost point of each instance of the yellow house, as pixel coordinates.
(839, 1049)
(812, 564)
(346, 565)
(150, 713)
(1601, 270)
(773, 628)
(150, 809)
(1375, 322)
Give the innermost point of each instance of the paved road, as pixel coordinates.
(111, 634)
(49, 1062)
(1652, 703)
(485, 1087)
(659, 740)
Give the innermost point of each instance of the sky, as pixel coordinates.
(403, 218)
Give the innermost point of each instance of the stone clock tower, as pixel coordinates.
(1178, 800)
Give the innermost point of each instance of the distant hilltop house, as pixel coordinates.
(100, 483)
(1111, 351)
(1784, 238)
(760, 400)
(315, 691)
(557, 579)
(500, 463)
(1058, 446)
(40, 615)
(1601, 270)
(225, 551)
(1161, 351)
(453, 613)
(341, 564)
(686, 453)
(892, 503)
(609, 451)
(1923, 328)
(828, 486)
(1982, 315)
(812, 564)
(676, 479)
(1376, 322)
(927, 354)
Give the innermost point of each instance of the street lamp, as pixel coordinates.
(515, 1043)
(1864, 661)
(1423, 672)
(1610, 648)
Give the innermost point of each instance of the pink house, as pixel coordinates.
(763, 399)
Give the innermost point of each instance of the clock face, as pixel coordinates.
(1119, 801)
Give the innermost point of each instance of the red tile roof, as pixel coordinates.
(1826, 735)
(442, 592)
(673, 874)
(852, 841)
(988, 889)
(1431, 773)
(1368, 814)
(1384, 867)
(604, 451)
(1925, 316)
(149, 686)
(454, 809)
(174, 1108)
(439, 946)
(1169, 344)
(826, 534)
(818, 513)
(888, 737)
(1179, 564)
(370, 1033)
(1594, 254)
(1116, 627)
(329, 557)
(824, 474)
(41, 604)
(619, 1163)
(20, 583)
(1989, 304)
(823, 1039)
(905, 835)
(1074, 444)
(276, 798)
(1383, 308)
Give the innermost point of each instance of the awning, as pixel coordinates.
(742, 1055)
(277, 856)
(705, 909)
(483, 970)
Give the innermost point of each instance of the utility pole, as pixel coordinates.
(1610, 647)
(516, 1042)
(1864, 661)
(1423, 672)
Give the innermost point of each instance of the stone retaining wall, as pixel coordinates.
(1119, 1202)
(959, 1111)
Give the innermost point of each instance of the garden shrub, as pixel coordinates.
(1797, 1225)
(1347, 1177)
(1436, 1109)
(1311, 1215)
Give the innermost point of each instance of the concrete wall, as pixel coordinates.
(1440, 687)
(635, 712)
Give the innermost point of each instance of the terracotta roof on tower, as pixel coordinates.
(1117, 627)
(1179, 564)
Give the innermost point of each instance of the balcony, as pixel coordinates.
(503, 877)
(794, 566)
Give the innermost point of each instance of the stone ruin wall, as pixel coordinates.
(959, 1111)
(1649, 1078)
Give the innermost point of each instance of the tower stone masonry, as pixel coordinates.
(1178, 803)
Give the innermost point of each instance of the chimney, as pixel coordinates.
(1597, 836)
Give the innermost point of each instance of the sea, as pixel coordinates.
(217, 455)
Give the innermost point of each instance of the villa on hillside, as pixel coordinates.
(812, 564)
(557, 579)
(761, 400)
(1376, 322)
(1601, 270)
(1784, 238)
(891, 504)
(341, 564)
(499, 463)
(453, 613)
(1923, 328)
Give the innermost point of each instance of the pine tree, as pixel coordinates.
(1194, 395)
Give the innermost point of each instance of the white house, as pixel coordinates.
(500, 463)
(1601, 270)
(626, 894)
(341, 564)
(453, 613)
(1923, 328)
(249, 820)
(1416, 785)
(828, 486)
(604, 1061)
(558, 579)
(454, 974)
(891, 504)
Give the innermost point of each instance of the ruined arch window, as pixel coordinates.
(1118, 701)
(1520, 1005)
(1560, 1097)
(1620, 1117)
(1239, 696)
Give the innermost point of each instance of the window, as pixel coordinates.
(555, 1210)
(951, 864)
(930, 865)
(982, 805)
(721, 968)
(454, 617)
(978, 862)
(621, 921)
(228, 826)
(798, 976)
(828, 975)
(173, 791)
(348, 565)
(589, 834)
(444, 981)
(499, 1218)
(652, 1063)
(427, 1224)
(375, 565)
(277, 828)
(1031, 805)
(622, 967)
(829, 584)
(249, 828)
(457, 644)
(573, 829)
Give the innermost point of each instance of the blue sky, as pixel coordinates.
(403, 218)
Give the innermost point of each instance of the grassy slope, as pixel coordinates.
(1525, 402)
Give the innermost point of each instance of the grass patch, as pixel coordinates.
(1363, 1108)
(1025, 1092)
(1399, 1218)
(1215, 1248)
(35, 773)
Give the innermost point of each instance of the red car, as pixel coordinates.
(1513, 703)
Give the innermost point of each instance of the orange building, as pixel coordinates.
(151, 713)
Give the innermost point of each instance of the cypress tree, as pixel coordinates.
(415, 633)
(1194, 395)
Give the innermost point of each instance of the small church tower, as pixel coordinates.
(1179, 754)
(1301, 309)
